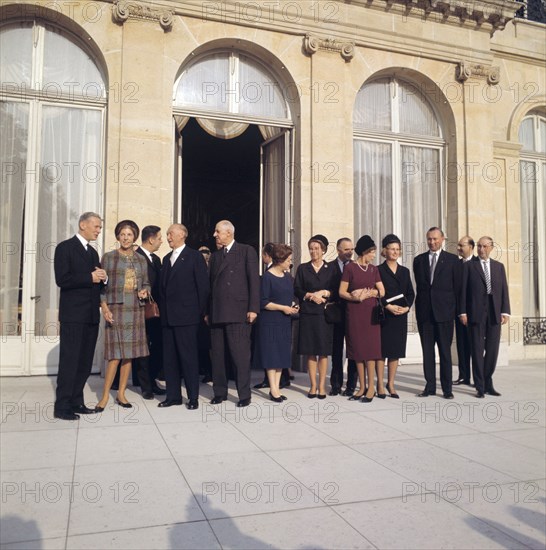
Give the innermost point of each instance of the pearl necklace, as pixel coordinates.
(359, 265)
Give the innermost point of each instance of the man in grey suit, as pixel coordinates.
(79, 275)
(484, 306)
(234, 306)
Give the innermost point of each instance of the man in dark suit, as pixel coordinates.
(438, 281)
(465, 249)
(484, 306)
(234, 306)
(147, 368)
(79, 276)
(184, 290)
(345, 250)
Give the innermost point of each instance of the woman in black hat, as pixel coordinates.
(398, 299)
(361, 286)
(315, 284)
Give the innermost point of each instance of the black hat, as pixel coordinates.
(389, 239)
(321, 239)
(364, 243)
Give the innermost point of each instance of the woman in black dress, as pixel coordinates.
(275, 323)
(315, 285)
(394, 329)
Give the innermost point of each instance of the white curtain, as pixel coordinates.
(526, 135)
(13, 158)
(373, 106)
(274, 191)
(16, 55)
(373, 189)
(69, 184)
(530, 238)
(416, 114)
(222, 129)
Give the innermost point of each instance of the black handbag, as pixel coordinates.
(333, 313)
(378, 313)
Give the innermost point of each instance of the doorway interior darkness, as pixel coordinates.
(220, 180)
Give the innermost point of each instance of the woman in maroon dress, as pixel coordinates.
(361, 286)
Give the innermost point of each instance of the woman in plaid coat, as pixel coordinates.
(125, 329)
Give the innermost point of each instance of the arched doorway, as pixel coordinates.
(52, 88)
(235, 139)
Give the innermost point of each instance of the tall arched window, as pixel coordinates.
(398, 163)
(532, 135)
(53, 99)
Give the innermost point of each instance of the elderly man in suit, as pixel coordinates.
(465, 250)
(234, 306)
(184, 291)
(484, 307)
(79, 276)
(438, 281)
(148, 367)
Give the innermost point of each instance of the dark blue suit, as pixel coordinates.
(79, 317)
(184, 291)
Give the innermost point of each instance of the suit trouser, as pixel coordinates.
(485, 338)
(148, 367)
(77, 348)
(181, 359)
(463, 349)
(336, 376)
(441, 334)
(232, 339)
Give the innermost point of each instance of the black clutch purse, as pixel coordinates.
(333, 313)
(378, 313)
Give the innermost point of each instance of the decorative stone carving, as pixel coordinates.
(467, 70)
(534, 331)
(312, 44)
(123, 10)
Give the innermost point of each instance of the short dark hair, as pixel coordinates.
(280, 253)
(434, 228)
(149, 231)
(339, 241)
(127, 223)
(268, 249)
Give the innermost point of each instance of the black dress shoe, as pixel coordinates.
(192, 404)
(356, 397)
(67, 415)
(217, 399)
(284, 398)
(367, 399)
(321, 396)
(480, 394)
(311, 395)
(82, 409)
(335, 391)
(426, 393)
(448, 395)
(461, 381)
(147, 395)
(348, 392)
(98, 409)
(243, 402)
(170, 403)
(261, 385)
(275, 399)
(158, 391)
(492, 391)
(124, 405)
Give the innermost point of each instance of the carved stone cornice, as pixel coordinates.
(471, 70)
(122, 10)
(312, 44)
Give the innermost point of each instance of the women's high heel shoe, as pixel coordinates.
(356, 397)
(124, 405)
(311, 395)
(368, 399)
(276, 399)
(98, 409)
(381, 395)
(392, 393)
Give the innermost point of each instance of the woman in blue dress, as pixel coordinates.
(275, 323)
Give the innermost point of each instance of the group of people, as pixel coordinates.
(343, 304)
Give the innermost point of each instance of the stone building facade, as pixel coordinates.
(288, 117)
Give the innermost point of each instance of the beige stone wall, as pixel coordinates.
(480, 119)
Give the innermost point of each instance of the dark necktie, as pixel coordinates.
(487, 277)
(432, 267)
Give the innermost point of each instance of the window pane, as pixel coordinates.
(373, 106)
(204, 84)
(542, 133)
(68, 69)
(13, 159)
(373, 188)
(260, 94)
(526, 135)
(416, 114)
(70, 180)
(16, 56)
